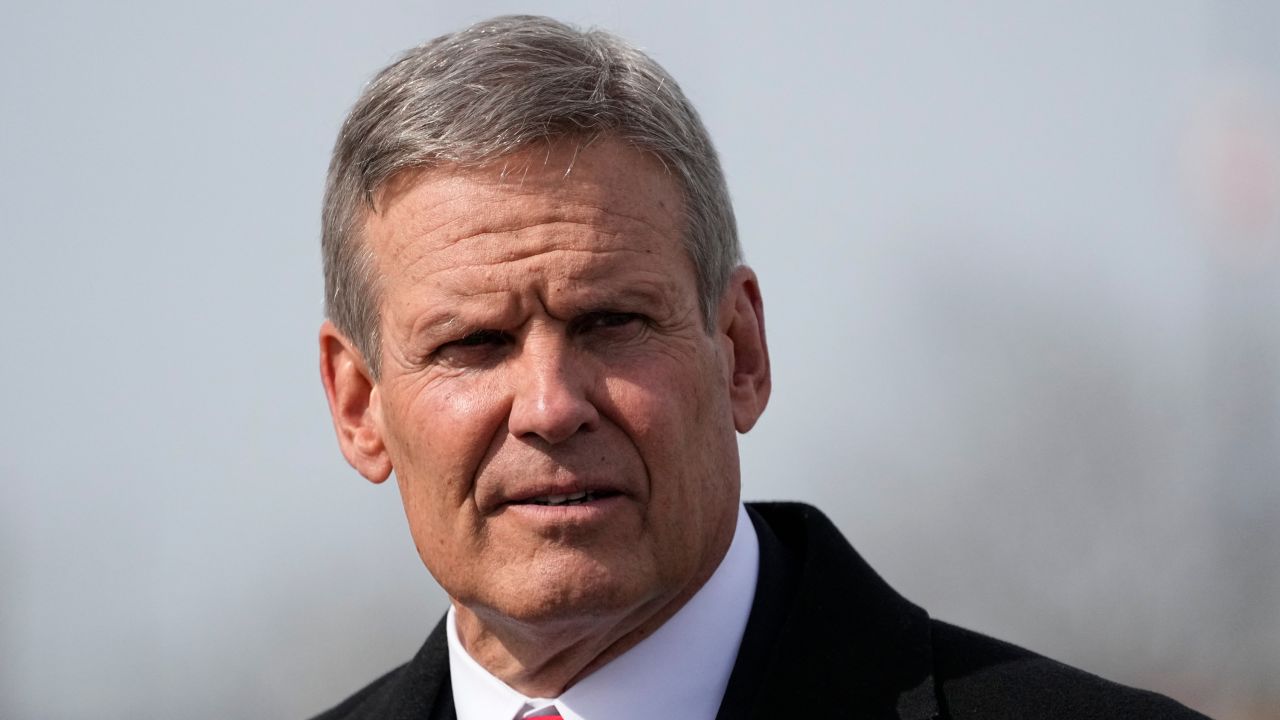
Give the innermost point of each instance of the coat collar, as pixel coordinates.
(826, 627)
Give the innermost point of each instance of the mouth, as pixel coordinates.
(577, 498)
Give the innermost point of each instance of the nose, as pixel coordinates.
(550, 393)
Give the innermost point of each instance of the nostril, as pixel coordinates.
(553, 418)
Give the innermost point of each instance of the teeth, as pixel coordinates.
(572, 499)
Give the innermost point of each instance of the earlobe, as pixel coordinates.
(352, 396)
(742, 322)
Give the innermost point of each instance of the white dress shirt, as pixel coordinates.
(678, 672)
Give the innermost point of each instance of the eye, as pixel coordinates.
(612, 319)
(610, 322)
(478, 338)
(477, 348)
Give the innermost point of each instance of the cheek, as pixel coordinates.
(675, 412)
(437, 436)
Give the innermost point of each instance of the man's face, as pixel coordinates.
(542, 339)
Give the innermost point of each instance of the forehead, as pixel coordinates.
(564, 195)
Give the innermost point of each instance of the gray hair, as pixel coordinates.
(473, 96)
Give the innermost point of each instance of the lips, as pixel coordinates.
(577, 498)
(560, 495)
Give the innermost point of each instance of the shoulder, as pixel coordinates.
(418, 690)
(979, 676)
(818, 599)
(366, 702)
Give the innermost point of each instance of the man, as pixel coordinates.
(539, 320)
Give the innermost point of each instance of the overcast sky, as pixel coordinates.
(1020, 270)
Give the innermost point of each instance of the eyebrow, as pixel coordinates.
(443, 324)
(434, 323)
(647, 293)
(586, 297)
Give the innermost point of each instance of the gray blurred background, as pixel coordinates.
(1021, 269)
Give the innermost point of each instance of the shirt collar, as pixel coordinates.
(681, 670)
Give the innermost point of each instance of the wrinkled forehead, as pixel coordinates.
(605, 183)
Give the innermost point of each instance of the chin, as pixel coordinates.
(573, 590)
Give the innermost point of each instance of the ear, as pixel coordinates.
(353, 404)
(741, 322)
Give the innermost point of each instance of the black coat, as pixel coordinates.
(827, 638)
